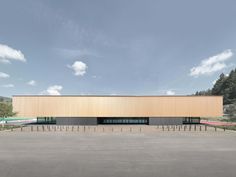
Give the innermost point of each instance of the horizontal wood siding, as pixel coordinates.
(118, 106)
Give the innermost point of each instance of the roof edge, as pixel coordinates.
(117, 95)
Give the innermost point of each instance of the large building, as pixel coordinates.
(93, 110)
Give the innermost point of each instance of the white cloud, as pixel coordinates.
(32, 82)
(170, 92)
(8, 86)
(7, 53)
(113, 94)
(79, 67)
(214, 81)
(4, 75)
(52, 90)
(4, 61)
(212, 64)
(72, 53)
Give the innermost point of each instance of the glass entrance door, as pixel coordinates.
(123, 120)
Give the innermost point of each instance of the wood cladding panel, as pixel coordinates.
(118, 106)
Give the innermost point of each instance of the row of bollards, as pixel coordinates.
(54, 128)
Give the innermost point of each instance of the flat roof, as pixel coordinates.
(117, 96)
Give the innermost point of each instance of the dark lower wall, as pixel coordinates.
(76, 120)
(165, 120)
(93, 120)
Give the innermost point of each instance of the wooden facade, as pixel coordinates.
(118, 106)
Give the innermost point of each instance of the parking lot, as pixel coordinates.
(106, 151)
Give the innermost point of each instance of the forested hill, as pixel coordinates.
(226, 86)
(5, 99)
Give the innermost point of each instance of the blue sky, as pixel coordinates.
(123, 47)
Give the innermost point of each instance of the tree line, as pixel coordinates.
(226, 86)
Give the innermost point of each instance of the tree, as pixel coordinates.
(219, 85)
(205, 92)
(6, 110)
(231, 111)
(226, 86)
(231, 83)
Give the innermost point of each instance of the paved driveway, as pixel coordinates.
(72, 154)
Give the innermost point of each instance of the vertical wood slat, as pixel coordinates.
(118, 106)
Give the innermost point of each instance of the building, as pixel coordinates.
(93, 110)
